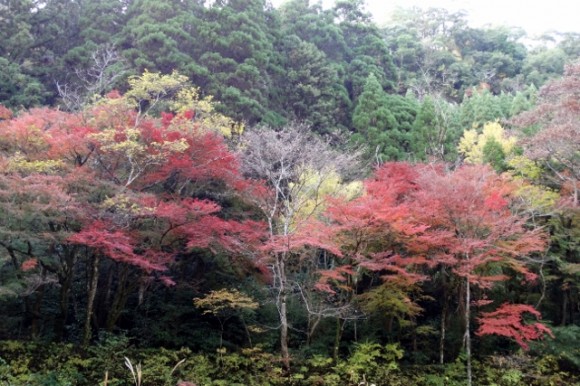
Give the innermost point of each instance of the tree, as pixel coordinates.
(289, 202)
(469, 210)
(557, 140)
(314, 92)
(431, 57)
(554, 145)
(399, 137)
(224, 304)
(155, 166)
(367, 51)
(311, 23)
(480, 107)
(507, 321)
(384, 122)
(118, 193)
(159, 35)
(435, 130)
(17, 88)
(94, 79)
(371, 116)
(491, 146)
(382, 247)
(41, 205)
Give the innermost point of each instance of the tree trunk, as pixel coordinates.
(467, 336)
(60, 320)
(414, 336)
(91, 294)
(119, 299)
(338, 336)
(248, 335)
(65, 280)
(564, 308)
(443, 331)
(283, 299)
(313, 323)
(36, 312)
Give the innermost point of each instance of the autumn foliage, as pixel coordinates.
(128, 202)
(412, 220)
(509, 321)
(118, 189)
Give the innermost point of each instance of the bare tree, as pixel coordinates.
(106, 68)
(282, 158)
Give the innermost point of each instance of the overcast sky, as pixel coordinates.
(534, 16)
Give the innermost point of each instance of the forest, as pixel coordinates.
(226, 193)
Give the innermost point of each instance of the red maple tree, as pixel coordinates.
(414, 218)
(470, 210)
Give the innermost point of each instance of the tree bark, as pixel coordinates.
(119, 299)
(338, 336)
(444, 312)
(283, 299)
(467, 336)
(443, 331)
(91, 294)
(65, 281)
(564, 308)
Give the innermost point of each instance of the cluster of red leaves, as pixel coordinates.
(378, 230)
(508, 321)
(92, 170)
(29, 264)
(332, 276)
(117, 245)
(468, 211)
(29, 132)
(312, 233)
(413, 218)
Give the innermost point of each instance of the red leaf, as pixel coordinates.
(508, 321)
(29, 264)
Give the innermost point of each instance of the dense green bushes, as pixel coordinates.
(37, 363)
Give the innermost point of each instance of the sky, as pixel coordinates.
(534, 16)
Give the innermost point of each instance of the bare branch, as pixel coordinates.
(106, 68)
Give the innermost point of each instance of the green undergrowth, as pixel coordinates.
(106, 363)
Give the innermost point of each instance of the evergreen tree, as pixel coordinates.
(371, 115)
(313, 24)
(399, 136)
(520, 103)
(383, 122)
(16, 37)
(100, 23)
(314, 93)
(367, 50)
(17, 89)
(435, 131)
(160, 36)
(480, 107)
(238, 54)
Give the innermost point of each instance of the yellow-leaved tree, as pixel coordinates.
(491, 146)
(224, 304)
(312, 189)
(151, 93)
